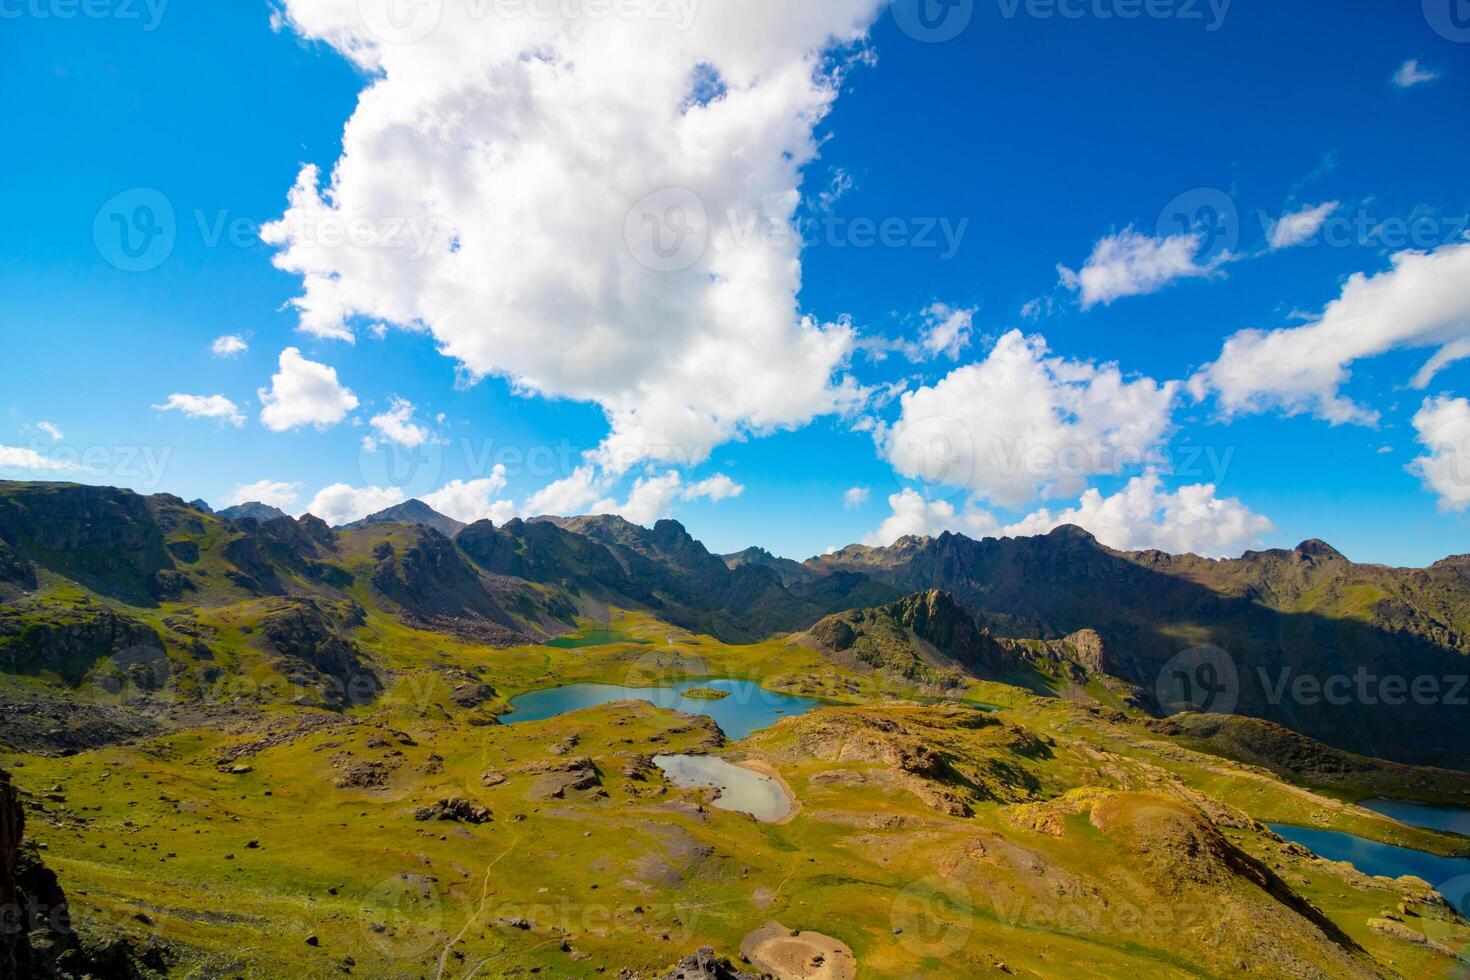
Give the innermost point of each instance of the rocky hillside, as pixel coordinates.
(79, 567)
(927, 638)
(1278, 616)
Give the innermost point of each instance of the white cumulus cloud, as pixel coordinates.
(1443, 427)
(230, 345)
(716, 488)
(1022, 425)
(578, 207)
(204, 407)
(304, 392)
(946, 330)
(397, 426)
(1131, 263)
(468, 501)
(1143, 515)
(650, 499)
(855, 497)
(341, 503)
(19, 458)
(1422, 301)
(276, 493)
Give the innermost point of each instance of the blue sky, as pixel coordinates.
(1028, 141)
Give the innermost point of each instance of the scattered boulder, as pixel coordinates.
(456, 809)
(703, 964)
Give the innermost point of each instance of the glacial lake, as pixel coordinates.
(748, 708)
(741, 790)
(1452, 819)
(1373, 858)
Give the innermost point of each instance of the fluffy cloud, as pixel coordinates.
(272, 492)
(1422, 301)
(341, 504)
(855, 497)
(230, 345)
(650, 499)
(566, 497)
(468, 501)
(552, 200)
(18, 458)
(396, 425)
(946, 330)
(1023, 425)
(1443, 427)
(1134, 264)
(716, 488)
(204, 407)
(915, 516)
(1142, 515)
(1410, 74)
(1299, 226)
(304, 392)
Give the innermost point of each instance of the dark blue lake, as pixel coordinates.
(1448, 875)
(748, 708)
(1452, 819)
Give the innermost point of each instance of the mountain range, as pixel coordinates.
(1278, 616)
(250, 744)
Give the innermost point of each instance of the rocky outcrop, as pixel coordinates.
(37, 940)
(703, 964)
(103, 537)
(69, 642)
(456, 809)
(15, 570)
(311, 634)
(433, 584)
(914, 638)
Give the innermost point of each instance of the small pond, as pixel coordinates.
(741, 790)
(1451, 819)
(748, 708)
(1373, 858)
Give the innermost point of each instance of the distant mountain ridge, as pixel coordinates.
(250, 510)
(410, 512)
(1063, 596)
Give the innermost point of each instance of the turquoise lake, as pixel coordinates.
(1451, 819)
(1451, 876)
(749, 707)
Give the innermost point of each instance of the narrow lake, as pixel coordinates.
(747, 707)
(1452, 819)
(741, 790)
(1373, 858)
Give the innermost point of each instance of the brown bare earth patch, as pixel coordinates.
(800, 955)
